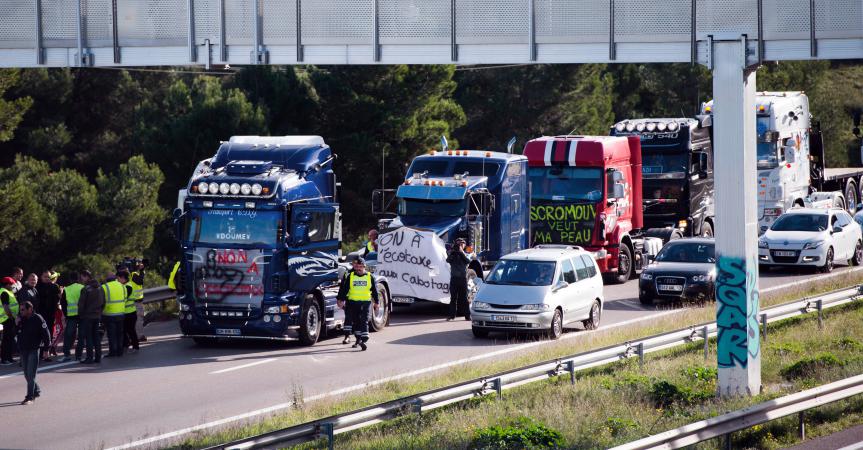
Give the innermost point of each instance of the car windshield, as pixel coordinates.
(522, 273)
(664, 165)
(687, 252)
(233, 226)
(432, 208)
(800, 222)
(566, 183)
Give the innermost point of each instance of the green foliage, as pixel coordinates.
(618, 426)
(700, 374)
(809, 367)
(11, 110)
(522, 433)
(847, 343)
(626, 381)
(665, 393)
(786, 348)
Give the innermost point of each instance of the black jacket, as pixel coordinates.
(92, 301)
(33, 333)
(458, 262)
(344, 287)
(28, 294)
(49, 298)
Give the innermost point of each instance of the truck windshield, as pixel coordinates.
(431, 208)
(664, 165)
(233, 226)
(434, 167)
(800, 222)
(767, 156)
(439, 168)
(522, 273)
(559, 183)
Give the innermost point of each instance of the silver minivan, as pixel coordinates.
(541, 289)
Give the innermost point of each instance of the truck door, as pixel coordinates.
(313, 245)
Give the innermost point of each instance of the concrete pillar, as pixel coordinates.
(739, 352)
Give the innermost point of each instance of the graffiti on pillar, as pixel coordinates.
(737, 317)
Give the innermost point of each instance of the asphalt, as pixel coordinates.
(173, 386)
(850, 439)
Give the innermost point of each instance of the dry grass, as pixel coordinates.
(580, 343)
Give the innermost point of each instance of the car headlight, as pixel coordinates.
(646, 276)
(536, 307)
(700, 278)
(812, 245)
(480, 305)
(762, 243)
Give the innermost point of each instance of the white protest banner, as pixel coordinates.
(414, 263)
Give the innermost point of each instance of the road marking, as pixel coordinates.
(856, 446)
(810, 280)
(256, 363)
(42, 369)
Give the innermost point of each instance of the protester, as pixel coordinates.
(28, 292)
(17, 275)
(90, 311)
(114, 311)
(32, 335)
(356, 293)
(372, 244)
(72, 330)
(8, 314)
(49, 300)
(136, 281)
(130, 318)
(458, 262)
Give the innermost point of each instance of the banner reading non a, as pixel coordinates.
(414, 263)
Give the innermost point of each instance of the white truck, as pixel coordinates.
(791, 164)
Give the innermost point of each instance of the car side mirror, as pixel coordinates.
(560, 285)
(837, 229)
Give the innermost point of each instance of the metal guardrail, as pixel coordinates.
(726, 424)
(330, 426)
(158, 294)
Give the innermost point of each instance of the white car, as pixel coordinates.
(812, 237)
(541, 289)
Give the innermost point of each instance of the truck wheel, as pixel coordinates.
(851, 197)
(592, 322)
(828, 261)
(378, 320)
(624, 265)
(858, 254)
(706, 229)
(479, 332)
(310, 321)
(556, 328)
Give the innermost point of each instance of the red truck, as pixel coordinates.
(586, 191)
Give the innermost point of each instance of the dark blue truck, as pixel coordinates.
(477, 195)
(260, 231)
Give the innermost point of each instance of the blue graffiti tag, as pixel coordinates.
(737, 319)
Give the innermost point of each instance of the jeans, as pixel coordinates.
(73, 329)
(114, 330)
(360, 319)
(30, 362)
(139, 325)
(458, 298)
(92, 338)
(7, 345)
(130, 335)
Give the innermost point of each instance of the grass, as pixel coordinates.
(304, 412)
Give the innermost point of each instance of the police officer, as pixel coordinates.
(114, 311)
(356, 293)
(458, 262)
(69, 304)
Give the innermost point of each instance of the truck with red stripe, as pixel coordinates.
(586, 191)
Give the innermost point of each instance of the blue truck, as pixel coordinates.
(477, 195)
(260, 231)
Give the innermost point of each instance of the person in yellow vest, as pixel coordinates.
(8, 314)
(372, 244)
(72, 331)
(356, 294)
(114, 312)
(130, 319)
(136, 281)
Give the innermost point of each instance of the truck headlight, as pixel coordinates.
(256, 189)
(480, 305)
(203, 187)
(271, 310)
(245, 189)
(536, 307)
(812, 245)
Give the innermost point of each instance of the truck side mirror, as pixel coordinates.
(702, 165)
(618, 191)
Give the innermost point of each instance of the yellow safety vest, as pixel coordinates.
(137, 289)
(115, 298)
(73, 294)
(360, 287)
(172, 283)
(370, 247)
(13, 303)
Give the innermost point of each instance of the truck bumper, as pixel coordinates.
(194, 325)
(606, 258)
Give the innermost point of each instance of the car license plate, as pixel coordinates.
(503, 318)
(671, 287)
(403, 300)
(228, 331)
(781, 253)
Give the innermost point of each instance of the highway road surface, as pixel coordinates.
(172, 386)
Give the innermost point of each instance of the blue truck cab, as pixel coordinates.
(477, 195)
(260, 231)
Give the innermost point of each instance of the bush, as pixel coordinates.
(808, 367)
(627, 380)
(700, 374)
(664, 394)
(617, 426)
(523, 433)
(786, 348)
(848, 343)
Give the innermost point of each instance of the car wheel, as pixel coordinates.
(624, 265)
(858, 254)
(706, 230)
(378, 320)
(479, 332)
(556, 328)
(592, 322)
(828, 261)
(310, 321)
(645, 300)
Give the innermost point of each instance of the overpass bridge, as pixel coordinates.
(731, 37)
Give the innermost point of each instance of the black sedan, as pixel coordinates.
(685, 269)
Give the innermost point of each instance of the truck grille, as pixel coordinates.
(670, 285)
(785, 259)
